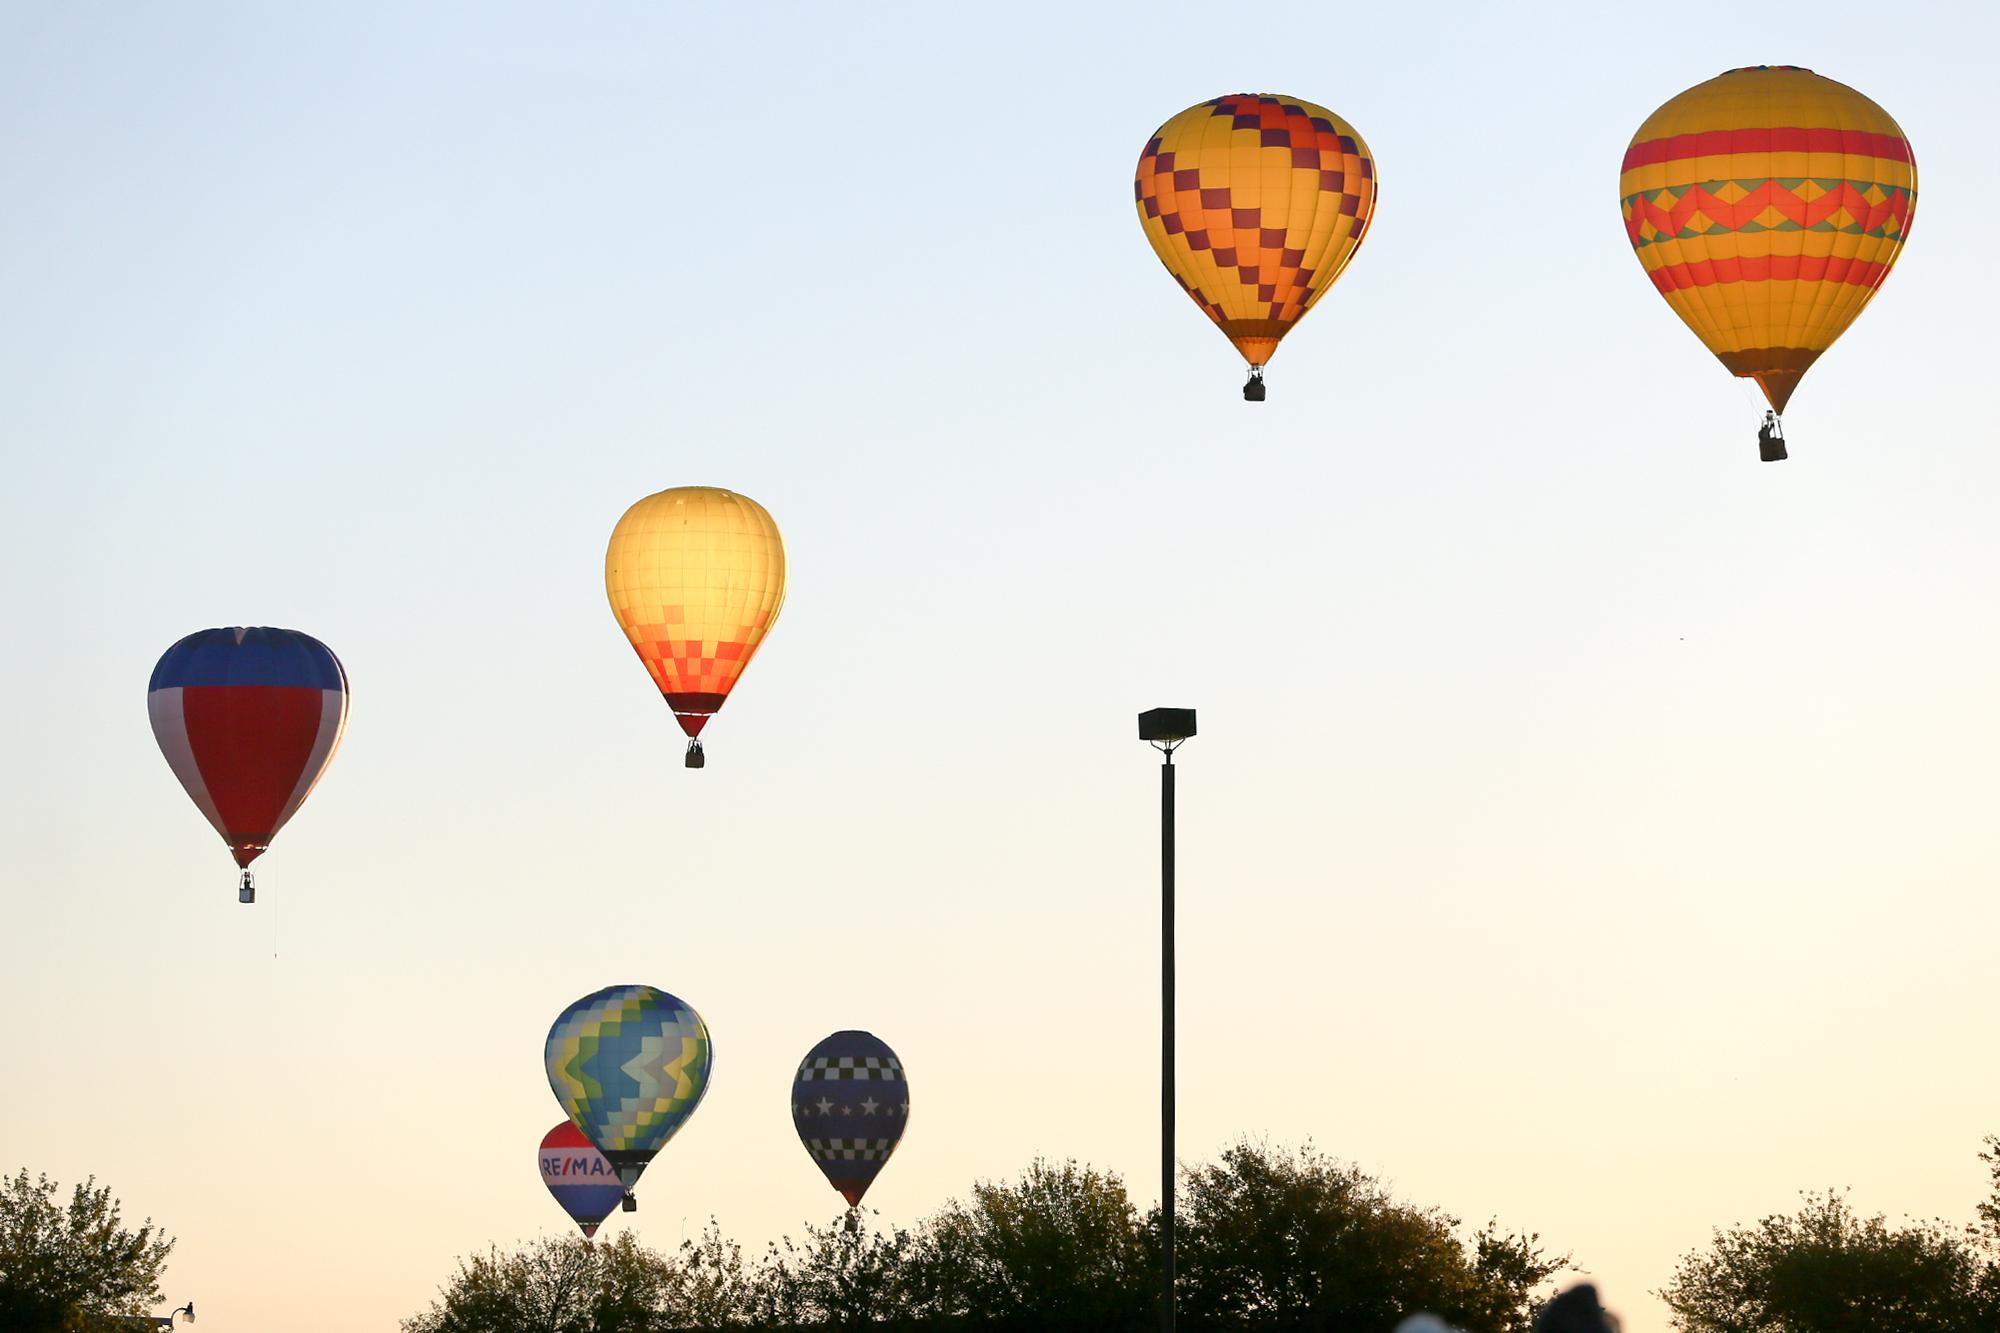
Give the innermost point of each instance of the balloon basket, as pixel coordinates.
(1253, 390)
(246, 889)
(1771, 440)
(695, 757)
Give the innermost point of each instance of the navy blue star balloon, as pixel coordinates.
(850, 1102)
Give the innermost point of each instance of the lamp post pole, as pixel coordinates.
(1167, 1181)
(1165, 729)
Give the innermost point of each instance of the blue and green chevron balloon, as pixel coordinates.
(629, 1064)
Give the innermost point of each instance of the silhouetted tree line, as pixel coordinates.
(1278, 1241)
(1267, 1242)
(1266, 1239)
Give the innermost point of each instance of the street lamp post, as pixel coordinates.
(167, 1321)
(1165, 729)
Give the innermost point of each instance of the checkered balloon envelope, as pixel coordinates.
(850, 1103)
(1256, 203)
(629, 1064)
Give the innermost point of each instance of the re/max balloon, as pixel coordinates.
(696, 577)
(628, 1064)
(850, 1103)
(1255, 203)
(248, 720)
(1768, 205)
(582, 1181)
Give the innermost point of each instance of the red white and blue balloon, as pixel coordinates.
(248, 720)
(577, 1175)
(850, 1103)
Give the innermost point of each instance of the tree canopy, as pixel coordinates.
(1269, 1240)
(1062, 1247)
(1828, 1269)
(75, 1266)
(1276, 1239)
(569, 1285)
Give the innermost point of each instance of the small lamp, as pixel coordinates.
(1165, 728)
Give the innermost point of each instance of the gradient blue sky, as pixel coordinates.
(1590, 827)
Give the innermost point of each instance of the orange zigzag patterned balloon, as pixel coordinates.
(1767, 205)
(1255, 203)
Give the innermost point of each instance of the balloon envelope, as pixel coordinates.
(248, 720)
(585, 1184)
(629, 1064)
(1767, 205)
(696, 577)
(850, 1102)
(1255, 203)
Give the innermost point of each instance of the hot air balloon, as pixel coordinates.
(850, 1102)
(696, 576)
(577, 1175)
(248, 720)
(1767, 205)
(1255, 203)
(629, 1065)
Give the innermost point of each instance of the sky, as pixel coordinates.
(1589, 827)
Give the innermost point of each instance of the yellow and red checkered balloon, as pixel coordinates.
(696, 576)
(1255, 203)
(1768, 205)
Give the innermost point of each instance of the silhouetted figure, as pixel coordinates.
(1576, 1310)
(1771, 440)
(1253, 392)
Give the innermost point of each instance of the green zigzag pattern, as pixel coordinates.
(1784, 182)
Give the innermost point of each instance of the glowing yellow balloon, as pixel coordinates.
(696, 576)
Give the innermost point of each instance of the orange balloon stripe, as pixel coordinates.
(1768, 268)
(1767, 139)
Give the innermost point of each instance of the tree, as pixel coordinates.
(569, 1285)
(1272, 1241)
(840, 1274)
(709, 1286)
(76, 1267)
(1296, 1240)
(1060, 1248)
(1989, 1208)
(565, 1285)
(1826, 1269)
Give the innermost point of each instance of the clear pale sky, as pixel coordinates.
(1590, 826)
